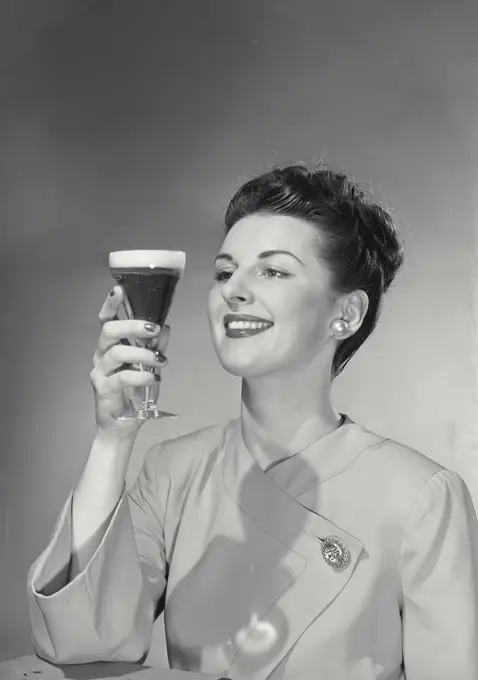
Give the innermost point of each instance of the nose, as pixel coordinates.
(236, 289)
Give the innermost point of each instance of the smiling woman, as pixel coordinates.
(290, 542)
(352, 238)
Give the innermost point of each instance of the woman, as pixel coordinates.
(291, 542)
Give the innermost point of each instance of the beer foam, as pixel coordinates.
(167, 259)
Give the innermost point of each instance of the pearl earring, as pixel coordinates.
(339, 327)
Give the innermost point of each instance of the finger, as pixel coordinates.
(164, 339)
(161, 362)
(160, 344)
(114, 331)
(119, 355)
(110, 306)
(119, 381)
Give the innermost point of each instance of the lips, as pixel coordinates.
(245, 325)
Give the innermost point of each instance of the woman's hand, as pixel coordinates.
(110, 377)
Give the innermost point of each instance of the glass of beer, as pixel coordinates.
(148, 279)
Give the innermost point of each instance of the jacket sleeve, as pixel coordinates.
(439, 563)
(107, 612)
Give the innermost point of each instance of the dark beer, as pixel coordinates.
(149, 292)
(148, 279)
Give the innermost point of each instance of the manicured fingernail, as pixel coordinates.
(112, 292)
(157, 377)
(151, 327)
(160, 356)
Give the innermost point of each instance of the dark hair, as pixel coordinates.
(359, 241)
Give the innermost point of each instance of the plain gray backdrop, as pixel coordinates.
(130, 124)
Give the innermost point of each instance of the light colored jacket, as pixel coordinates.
(238, 559)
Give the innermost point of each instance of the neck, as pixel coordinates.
(283, 414)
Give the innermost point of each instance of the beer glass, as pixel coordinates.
(148, 279)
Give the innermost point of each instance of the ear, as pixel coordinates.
(354, 309)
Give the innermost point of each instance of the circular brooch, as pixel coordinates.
(335, 552)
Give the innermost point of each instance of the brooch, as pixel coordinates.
(335, 552)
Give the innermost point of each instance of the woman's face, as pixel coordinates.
(272, 304)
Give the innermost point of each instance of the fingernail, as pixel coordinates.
(112, 292)
(151, 327)
(157, 377)
(160, 356)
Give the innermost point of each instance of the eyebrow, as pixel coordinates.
(262, 256)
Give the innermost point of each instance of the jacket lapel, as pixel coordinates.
(312, 581)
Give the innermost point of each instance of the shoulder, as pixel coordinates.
(440, 528)
(200, 440)
(410, 489)
(406, 476)
(400, 463)
(183, 454)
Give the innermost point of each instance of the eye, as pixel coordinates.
(268, 272)
(223, 275)
(273, 273)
